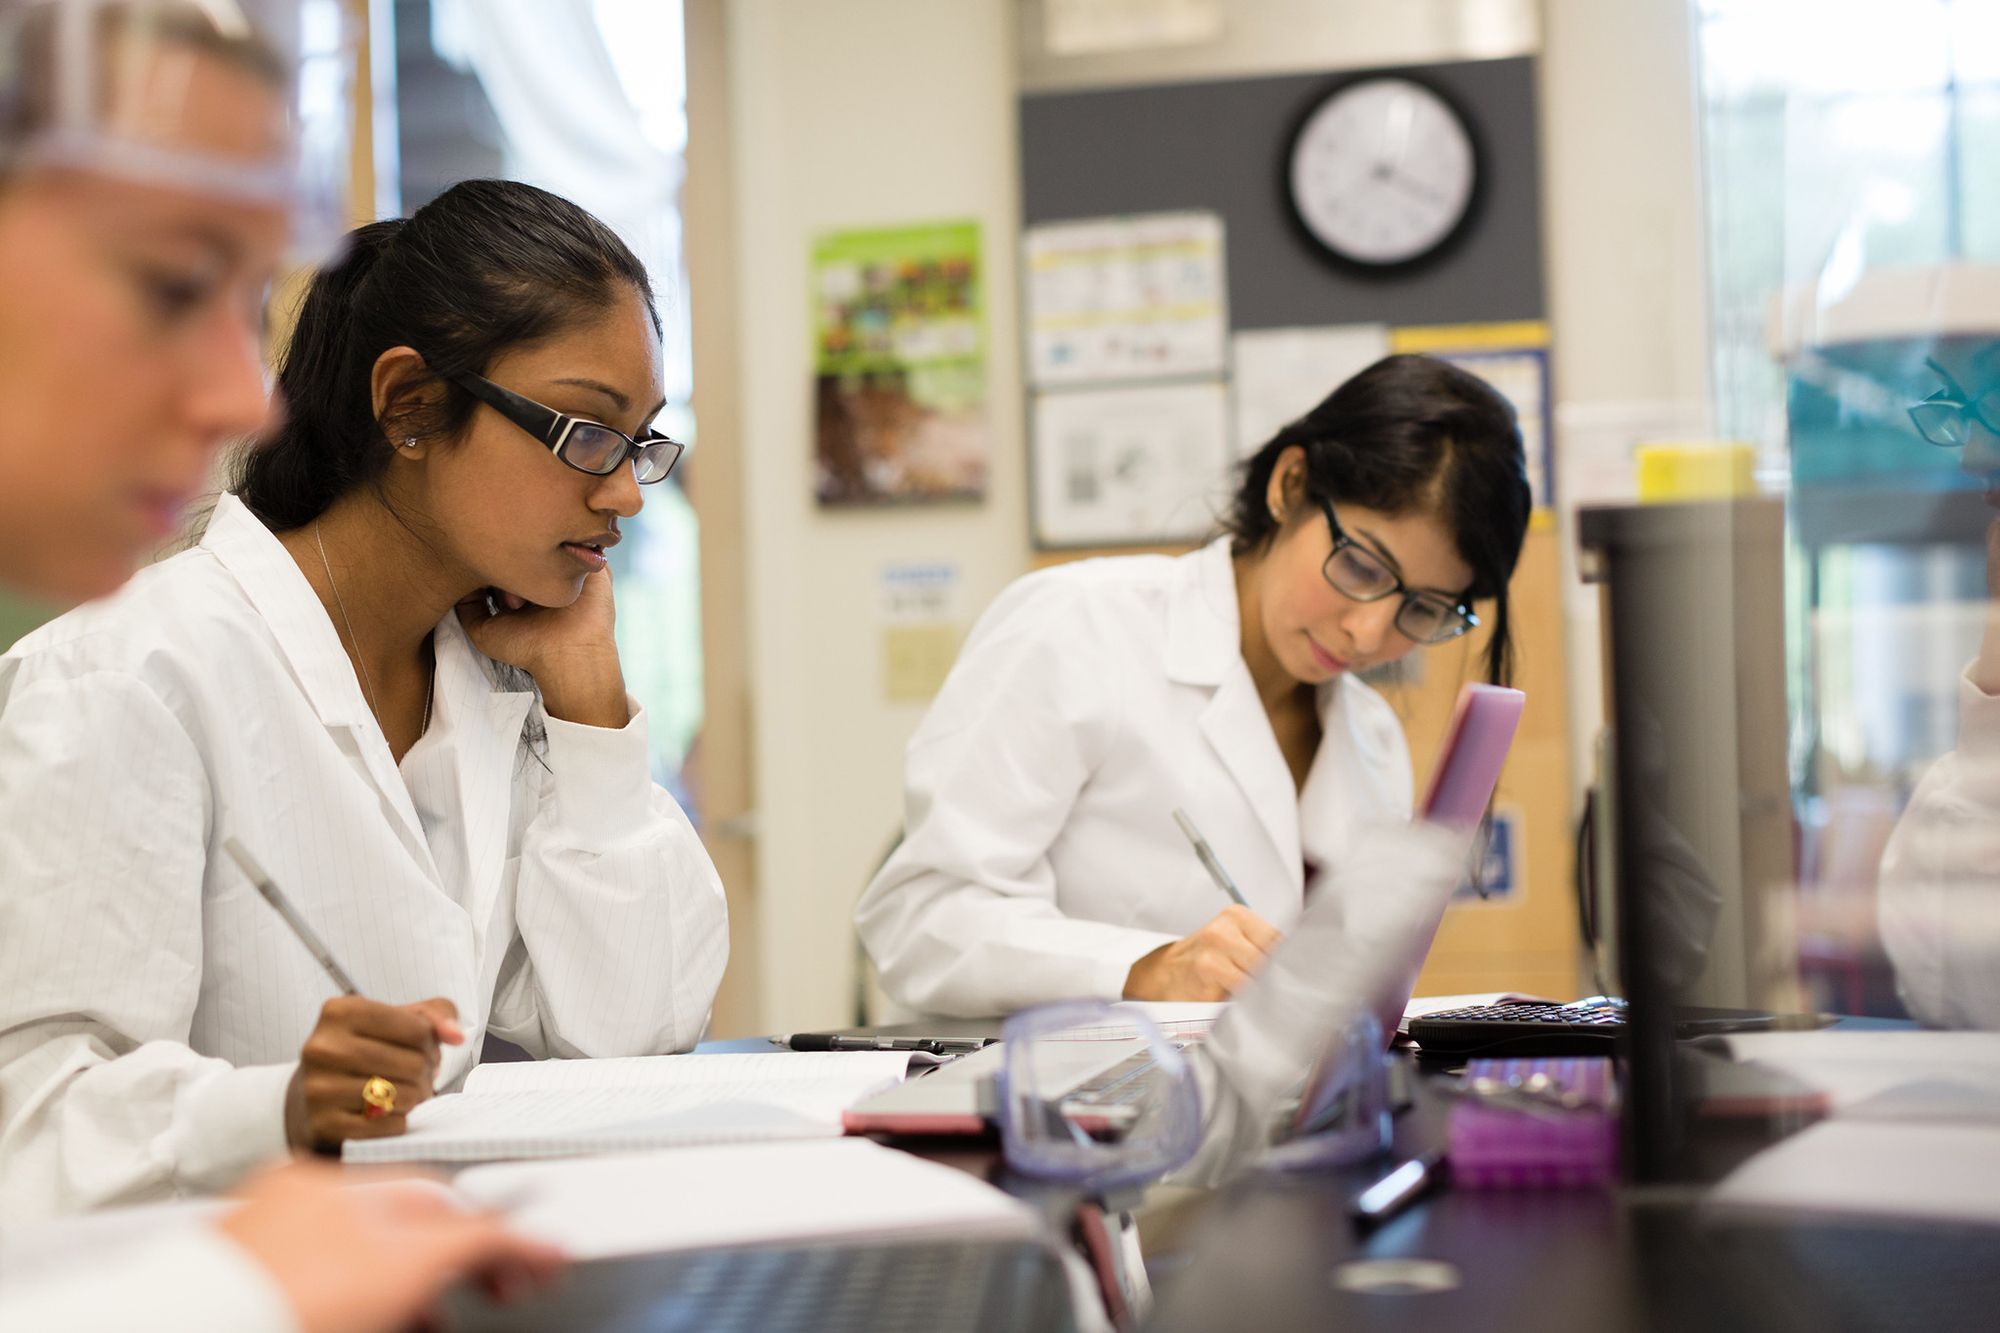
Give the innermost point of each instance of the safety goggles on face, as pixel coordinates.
(1947, 417)
(1356, 572)
(131, 90)
(588, 446)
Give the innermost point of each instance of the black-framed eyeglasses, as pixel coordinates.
(586, 445)
(1946, 418)
(1357, 572)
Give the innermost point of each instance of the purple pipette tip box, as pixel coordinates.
(1499, 1147)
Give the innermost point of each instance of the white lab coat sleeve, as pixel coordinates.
(623, 928)
(963, 918)
(103, 828)
(1939, 896)
(194, 1280)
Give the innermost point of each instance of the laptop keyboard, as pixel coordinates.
(979, 1286)
(1519, 1029)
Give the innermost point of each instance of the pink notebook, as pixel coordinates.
(1474, 751)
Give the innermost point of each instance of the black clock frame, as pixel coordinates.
(1451, 241)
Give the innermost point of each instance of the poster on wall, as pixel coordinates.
(1135, 464)
(899, 362)
(1139, 297)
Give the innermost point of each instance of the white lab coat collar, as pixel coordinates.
(466, 700)
(480, 726)
(1204, 649)
(277, 587)
(1204, 637)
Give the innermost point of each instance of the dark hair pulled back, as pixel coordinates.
(1411, 434)
(487, 266)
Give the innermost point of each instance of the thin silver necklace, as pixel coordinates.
(367, 686)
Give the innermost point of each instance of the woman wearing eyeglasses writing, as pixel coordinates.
(387, 670)
(1041, 859)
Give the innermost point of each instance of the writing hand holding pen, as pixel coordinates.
(366, 1065)
(1215, 961)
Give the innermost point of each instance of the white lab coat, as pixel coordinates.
(1041, 859)
(152, 1006)
(1939, 893)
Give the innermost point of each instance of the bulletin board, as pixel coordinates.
(1123, 464)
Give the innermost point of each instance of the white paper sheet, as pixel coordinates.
(1940, 1172)
(1136, 464)
(1281, 374)
(1124, 298)
(1888, 1076)
(1190, 1018)
(697, 1198)
(567, 1107)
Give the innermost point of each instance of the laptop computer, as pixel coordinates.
(959, 1097)
(983, 1286)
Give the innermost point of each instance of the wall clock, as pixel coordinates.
(1383, 172)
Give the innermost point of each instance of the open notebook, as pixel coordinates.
(566, 1108)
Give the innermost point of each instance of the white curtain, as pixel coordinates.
(572, 127)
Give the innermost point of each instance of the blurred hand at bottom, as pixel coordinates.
(376, 1258)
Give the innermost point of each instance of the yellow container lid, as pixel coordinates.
(1695, 470)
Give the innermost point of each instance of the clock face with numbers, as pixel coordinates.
(1382, 172)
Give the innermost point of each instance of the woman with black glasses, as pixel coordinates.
(388, 672)
(1093, 701)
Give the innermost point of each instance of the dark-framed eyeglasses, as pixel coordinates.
(1946, 418)
(586, 445)
(1357, 572)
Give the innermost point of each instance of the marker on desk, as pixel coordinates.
(1395, 1192)
(272, 895)
(1208, 860)
(832, 1041)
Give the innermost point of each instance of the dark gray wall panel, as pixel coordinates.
(1221, 146)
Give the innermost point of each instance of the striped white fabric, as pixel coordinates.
(152, 1005)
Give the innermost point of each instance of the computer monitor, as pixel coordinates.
(1693, 797)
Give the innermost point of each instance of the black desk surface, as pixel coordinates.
(1275, 1252)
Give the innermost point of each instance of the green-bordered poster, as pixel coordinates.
(900, 364)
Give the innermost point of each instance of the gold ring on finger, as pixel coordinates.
(378, 1094)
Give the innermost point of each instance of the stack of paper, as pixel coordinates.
(852, 1189)
(563, 1108)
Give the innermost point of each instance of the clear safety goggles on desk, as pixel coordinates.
(1100, 1096)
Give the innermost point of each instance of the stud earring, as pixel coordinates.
(410, 442)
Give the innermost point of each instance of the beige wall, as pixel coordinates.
(850, 113)
(1621, 200)
(859, 112)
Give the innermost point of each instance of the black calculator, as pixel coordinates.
(1582, 1027)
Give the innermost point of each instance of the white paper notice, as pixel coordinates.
(1125, 298)
(1130, 465)
(1281, 374)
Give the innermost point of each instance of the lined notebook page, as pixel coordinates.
(563, 1108)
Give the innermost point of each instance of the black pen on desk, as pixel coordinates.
(1397, 1190)
(832, 1041)
(283, 905)
(1208, 859)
